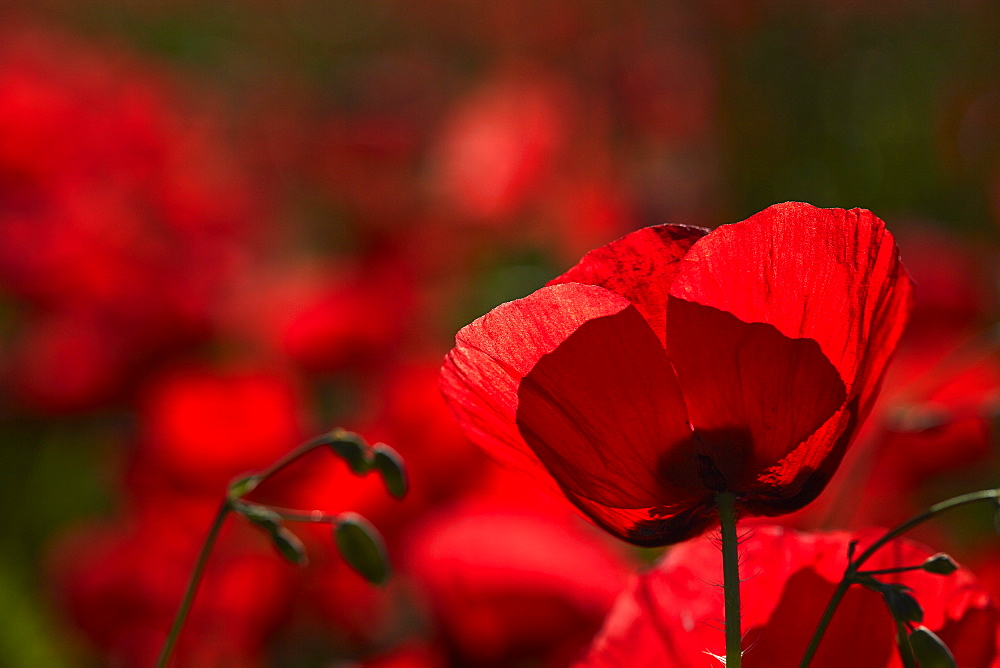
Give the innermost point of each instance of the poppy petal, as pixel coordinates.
(640, 267)
(652, 527)
(481, 374)
(752, 393)
(800, 476)
(604, 413)
(829, 275)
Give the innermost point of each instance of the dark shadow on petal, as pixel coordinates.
(779, 498)
(753, 394)
(658, 532)
(599, 411)
(650, 527)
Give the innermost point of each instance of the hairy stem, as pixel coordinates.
(731, 578)
(888, 571)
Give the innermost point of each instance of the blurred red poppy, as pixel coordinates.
(125, 214)
(675, 363)
(202, 426)
(500, 143)
(120, 583)
(670, 615)
(500, 587)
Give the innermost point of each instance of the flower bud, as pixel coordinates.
(940, 564)
(352, 449)
(362, 547)
(393, 470)
(929, 650)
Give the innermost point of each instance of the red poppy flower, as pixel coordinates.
(203, 426)
(675, 363)
(670, 615)
(120, 584)
(502, 592)
(500, 144)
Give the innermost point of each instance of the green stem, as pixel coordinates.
(903, 647)
(291, 514)
(232, 501)
(854, 565)
(889, 571)
(192, 588)
(730, 578)
(320, 441)
(938, 508)
(831, 607)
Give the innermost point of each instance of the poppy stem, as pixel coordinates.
(232, 501)
(887, 571)
(854, 565)
(192, 587)
(293, 515)
(726, 502)
(294, 455)
(903, 647)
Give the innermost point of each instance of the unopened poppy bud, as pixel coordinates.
(352, 449)
(362, 547)
(393, 470)
(263, 517)
(289, 546)
(940, 564)
(903, 606)
(929, 650)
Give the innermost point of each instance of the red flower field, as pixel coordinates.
(234, 232)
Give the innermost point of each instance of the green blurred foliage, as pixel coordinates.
(51, 475)
(841, 107)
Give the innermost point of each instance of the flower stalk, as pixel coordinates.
(726, 502)
(851, 572)
(358, 542)
(192, 586)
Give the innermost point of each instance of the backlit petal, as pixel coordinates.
(481, 374)
(604, 413)
(752, 393)
(830, 275)
(800, 476)
(652, 527)
(640, 267)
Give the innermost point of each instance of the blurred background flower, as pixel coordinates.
(227, 227)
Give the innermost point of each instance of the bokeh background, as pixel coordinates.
(228, 226)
